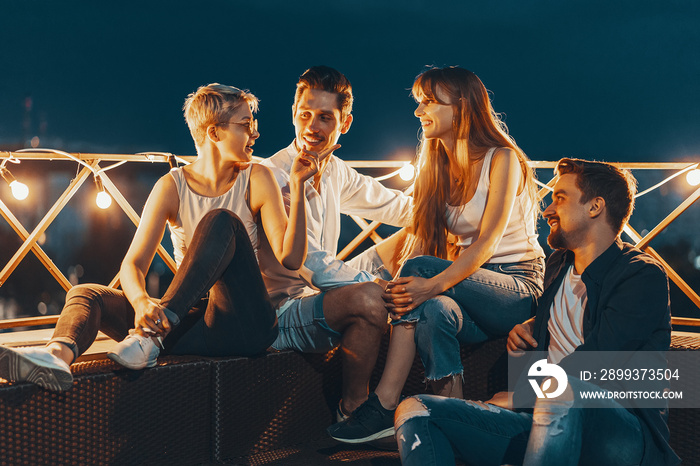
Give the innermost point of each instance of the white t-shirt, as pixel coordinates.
(566, 317)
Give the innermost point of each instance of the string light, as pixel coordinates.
(19, 190)
(103, 200)
(693, 177)
(407, 172)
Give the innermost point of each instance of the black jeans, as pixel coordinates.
(236, 319)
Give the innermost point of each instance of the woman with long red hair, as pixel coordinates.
(474, 183)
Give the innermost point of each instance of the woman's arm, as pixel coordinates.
(287, 236)
(505, 177)
(161, 206)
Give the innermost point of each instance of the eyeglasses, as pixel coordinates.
(250, 125)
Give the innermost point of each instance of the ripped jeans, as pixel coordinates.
(485, 305)
(432, 430)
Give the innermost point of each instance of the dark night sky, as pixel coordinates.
(597, 79)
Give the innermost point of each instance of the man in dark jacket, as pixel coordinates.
(600, 295)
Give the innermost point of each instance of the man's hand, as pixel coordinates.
(520, 338)
(307, 163)
(502, 400)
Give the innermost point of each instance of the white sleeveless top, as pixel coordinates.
(519, 242)
(193, 207)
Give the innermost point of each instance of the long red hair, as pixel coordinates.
(476, 128)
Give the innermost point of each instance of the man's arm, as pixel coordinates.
(366, 197)
(636, 312)
(321, 269)
(324, 271)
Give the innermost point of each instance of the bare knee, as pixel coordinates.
(408, 409)
(367, 304)
(358, 306)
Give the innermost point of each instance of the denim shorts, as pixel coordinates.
(370, 261)
(302, 327)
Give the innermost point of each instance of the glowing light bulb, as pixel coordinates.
(407, 172)
(19, 190)
(103, 200)
(693, 177)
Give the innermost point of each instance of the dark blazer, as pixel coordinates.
(628, 309)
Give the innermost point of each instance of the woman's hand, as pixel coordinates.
(150, 320)
(407, 293)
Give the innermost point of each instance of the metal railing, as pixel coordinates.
(91, 165)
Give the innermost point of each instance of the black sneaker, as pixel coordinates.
(370, 421)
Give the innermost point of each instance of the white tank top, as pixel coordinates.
(519, 242)
(193, 207)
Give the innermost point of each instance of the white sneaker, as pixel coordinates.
(35, 365)
(135, 352)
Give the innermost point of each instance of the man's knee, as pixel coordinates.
(552, 413)
(365, 303)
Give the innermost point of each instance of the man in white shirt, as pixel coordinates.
(330, 302)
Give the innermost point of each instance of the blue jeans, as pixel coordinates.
(570, 433)
(217, 293)
(483, 306)
(432, 430)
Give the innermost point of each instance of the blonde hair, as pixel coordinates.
(476, 128)
(214, 104)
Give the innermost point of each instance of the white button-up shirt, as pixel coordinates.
(343, 190)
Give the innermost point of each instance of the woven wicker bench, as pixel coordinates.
(192, 410)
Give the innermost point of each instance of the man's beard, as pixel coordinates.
(556, 240)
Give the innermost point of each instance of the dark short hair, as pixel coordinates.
(327, 79)
(598, 179)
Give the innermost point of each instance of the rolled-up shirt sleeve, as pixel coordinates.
(322, 270)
